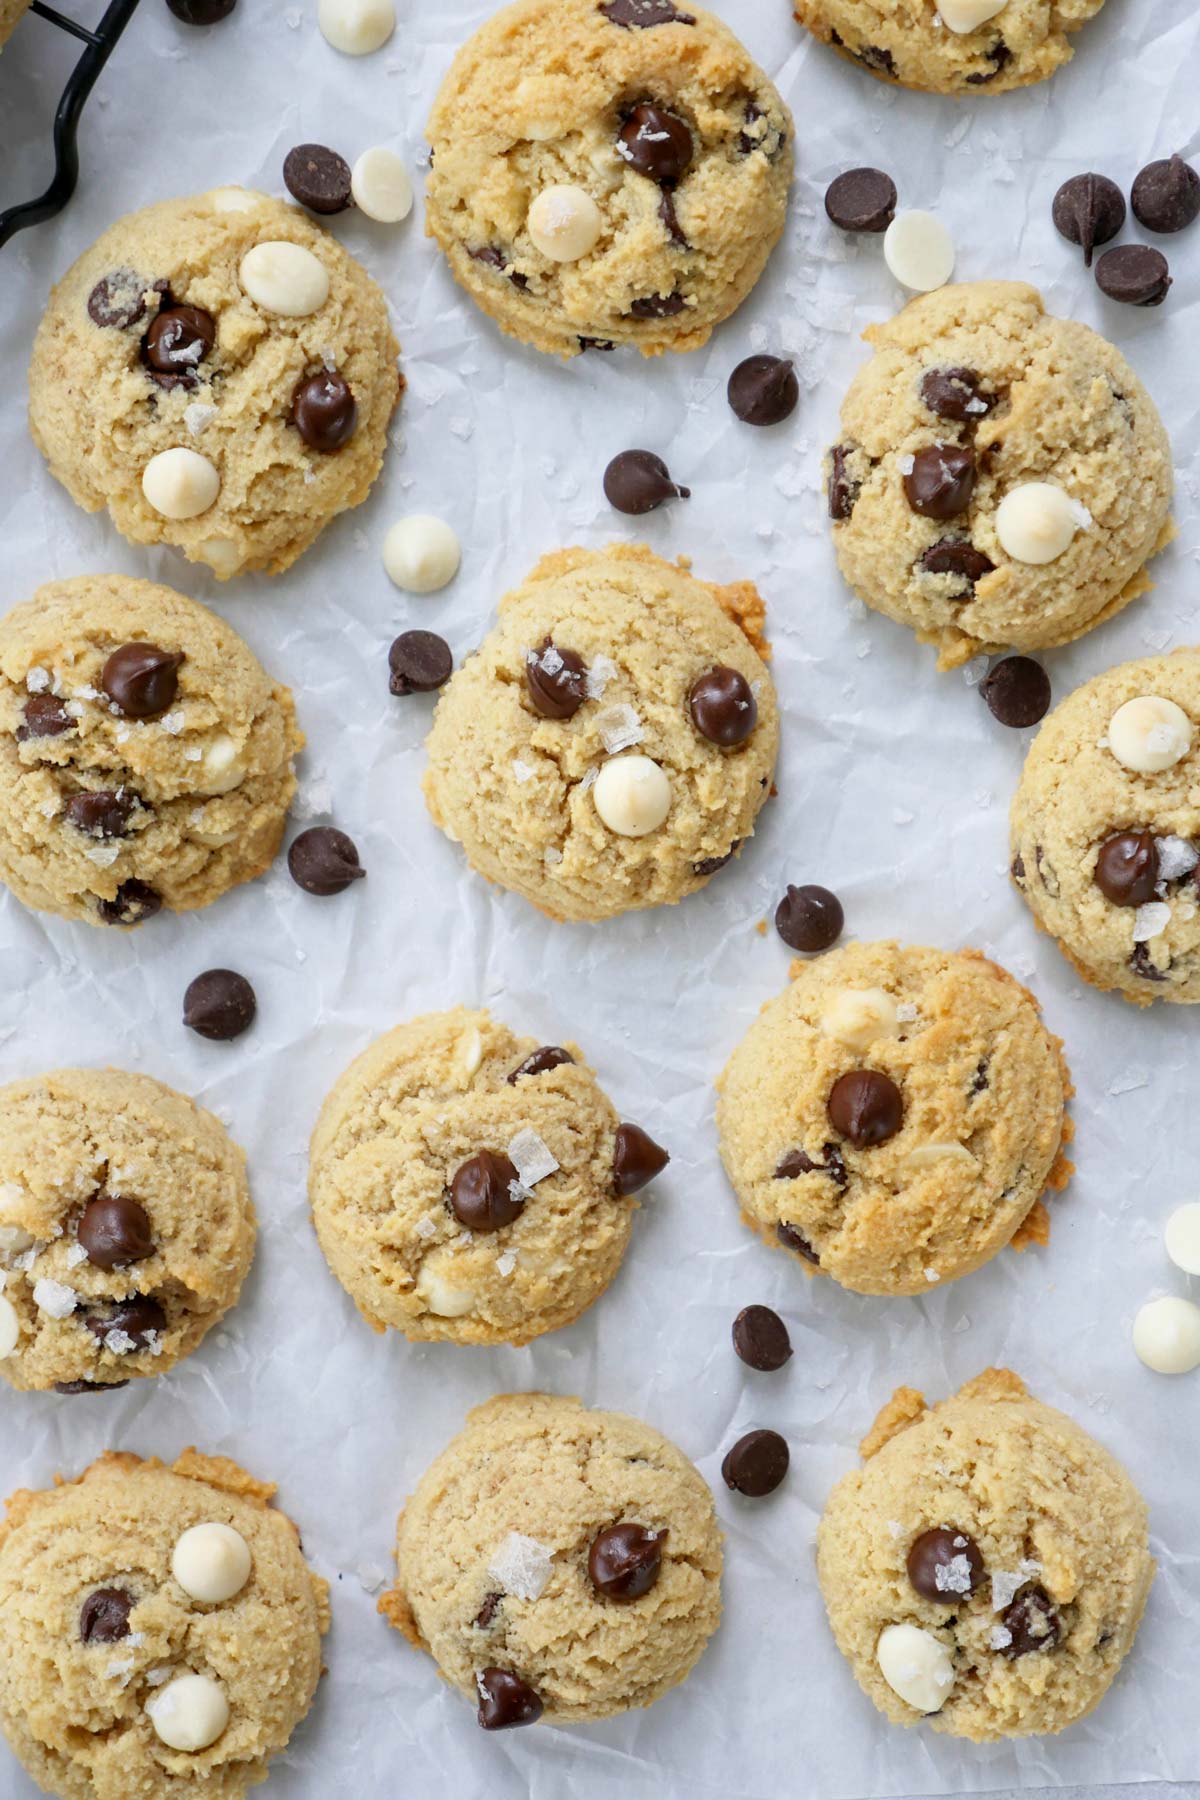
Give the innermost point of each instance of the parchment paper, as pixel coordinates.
(893, 790)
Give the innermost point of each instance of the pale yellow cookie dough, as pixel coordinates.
(77, 1713)
(78, 1135)
(99, 417)
(556, 1473)
(1075, 794)
(906, 41)
(1060, 1530)
(11, 14)
(1056, 404)
(398, 1125)
(983, 1085)
(201, 789)
(536, 99)
(516, 788)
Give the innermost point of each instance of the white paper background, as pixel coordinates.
(894, 787)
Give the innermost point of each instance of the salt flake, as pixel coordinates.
(531, 1158)
(522, 1566)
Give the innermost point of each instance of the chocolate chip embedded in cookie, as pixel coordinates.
(966, 47)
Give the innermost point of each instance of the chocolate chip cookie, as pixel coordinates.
(969, 47)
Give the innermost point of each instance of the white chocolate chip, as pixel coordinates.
(632, 795)
(421, 554)
(440, 1296)
(1149, 734)
(968, 15)
(284, 278)
(190, 1713)
(221, 769)
(564, 223)
(180, 483)
(221, 554)
(356, 27)
(211, 1562)
(55, 1298)
(919, 251)
(470, 1050)
(235, 199)
(927, 1154)
(10, 1328)
(916, 1665)
(381, 186)
(1166, 1335)
(1182, 1237)
(1036, 522)
(859, 1017)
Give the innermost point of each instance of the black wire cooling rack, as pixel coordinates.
(98, 46)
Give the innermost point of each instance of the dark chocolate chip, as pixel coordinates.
(201, 12)
(176, 344)
(141, 680)
(1017, 870)
(1134, 274)
(586, 343)
(481, 1196)
(1143, 964)
(866, 1107)
(643, 15)
(980, 1082)
(861, 200)
(487, 1612)
(756, 1464)
(799, 1162)
(318, 178)
(637, 1159)
(941, 481)
(999, 56)
(763, 390)
(44, 715)
(795, 1240)
(104, 1616)
(670, 218)
(955, 556)
(723, 707)
(809, 918)
(550, 1056)
(1166, 195)
(495, 259)
(88, 1387)
(1088, 210)
(115, 1231)
(872, 57)
(843, 488)
(504, 1699)
(220, 1004)
(625, 1561)
(118, 300)
(1017, 692)
(323, 860)
(709, 865)
(637, 481)
(656, 143)
(761, 1339)
(955, 394)
(555, 680)
(324, 411)
(1127, 868)
(136, 1318)
(1034, 1622)
(134, 902)
(101, 813)
(657, 306)
(419, 662)
(945, 1565)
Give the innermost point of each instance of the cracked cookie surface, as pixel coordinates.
(1062, 1565)
(165, 796)
(982, 371)
(515, 787)
(557, 1474)
(538, 98)
(978, 1089)
(904, 41)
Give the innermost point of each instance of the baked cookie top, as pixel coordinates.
(1106, 828)
(990, 1556)
(468, 1183)
(610, 743)
(1003, 477)
(965, 47)
(895, 1115)
(607, 172)
(126, 1228)
(574, 1552)
(220, 374)
(160, 1630)
(145, 754)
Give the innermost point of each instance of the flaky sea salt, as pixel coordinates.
(1150, 920)
(906, 1012)
(119, 1342)
(75, 1255)
(1176, 858)
(955, 1576)
(1001, 1637)
(522, 771)
(531, 1158)
(1007, 1582)
(601, 671)
(55, 1298)
(506, 1262)
(198, 417)
(620, 728)
(425, 1228)
(522, 1566)
(38, 679)
(172, 723)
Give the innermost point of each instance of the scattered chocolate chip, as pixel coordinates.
(999, 56)
(323, 860)
(324, 411)
(1166, 195)
(101, 813)
(843, 488)
(1017, 870)
(756, 1464)
(118, 300)
(941, 481)
(176, 344)
(1034, 1622)
(556, 681)
(763, 390)
(1134, 274)
(1143, 964)
(644, 14)
(550, 1056)
(1088, 210)
(625, 1561)
(136, 1319)
(795, 1240)
(865, 1106)
(88, 1387)
(115, 1231)
(44, 716)
(658, 306)
(861, 200)
(419, 662)
(104, 1616)
(201, 12)
(504, 1699)
(318, 178)
(670, 218)
(723, 707)
(761, 1339)
(955, 556)
(709, 865)
(656, 143)
(487, 1612)
(945, 1565)
(1017, 692)
(1127, 868)
(637, 1159)
(220, 1004)
(495, 259)
(809, 918)
(637, 481)
(141, 680)
(134, 902)
(955, 394)
(481, 1195)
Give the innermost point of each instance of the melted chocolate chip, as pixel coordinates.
(136, 1319)
(1088, 210)
(1017, 692)
(44, 716)
(550, 1056)
(115, 1231)
(487, 1612)
(761, 1339)
(324, 411)
(795, 1240)
(1134, 274)
(643, 15)
(555, 680)
(723, 707)
(941, 481)
(637, 481)
(481, 1196)
(1166, 195)
(1034, 1622)
(418, 663)
(176, 343)
(88, 1387)
(756, 1464)
(709, 865)
(101, 813)
(861, 200)
(104, 1616)
(656, 143)
(220, 1005)
(142, 680)
(955, 394)
(873, 57)
(504, 1699)
(625, 1561)
(955, 556)
(134, 902)
(118, 300)
(1143, 964)
(866, 1107)
(658, 306)
(324, 861)
(637, 1159)
(843, 488)
(763, 390)
(809, 918)
(945, 1565)
(495, 259)
(798, 1162)
(999, 56)
(1127, 868)
(318, 178)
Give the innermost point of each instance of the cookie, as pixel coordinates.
(988, 1566)
(1106, 829)
(11, 14)
(557, 1562)
(607, 174)
(145, 755)
(610, 743)
(1002, 478)
(963, 48)
(220, 374)
(126, 1228)
(160, 1630)
(893, 1118)
(470, 1184)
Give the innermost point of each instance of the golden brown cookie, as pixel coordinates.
(11, 14)
(967, 47)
